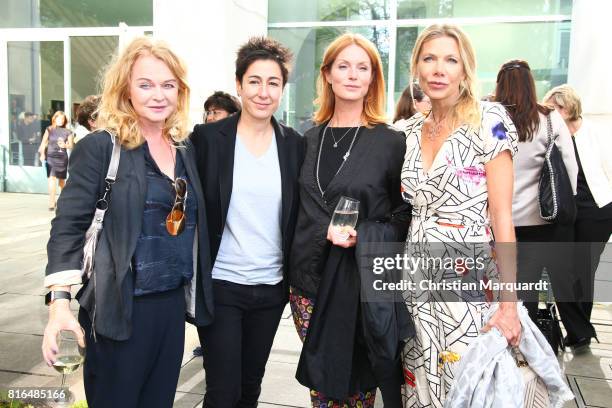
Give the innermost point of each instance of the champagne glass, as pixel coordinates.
(70, 357)
(345, 217)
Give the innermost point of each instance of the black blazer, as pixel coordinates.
(112, 298)
(371, 175)
(215, 144)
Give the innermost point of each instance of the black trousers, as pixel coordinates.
(547, 246)
(142, 371)
(591, 236)
(238, 342)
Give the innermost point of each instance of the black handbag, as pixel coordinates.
(548, 323)
(555, 195)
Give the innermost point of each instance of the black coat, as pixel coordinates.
(122, 225)
(335, 359)
(215, 145)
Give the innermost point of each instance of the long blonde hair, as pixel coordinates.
(116, 112)
(467, 107)
(373, 102)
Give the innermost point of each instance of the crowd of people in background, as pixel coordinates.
(229, 222)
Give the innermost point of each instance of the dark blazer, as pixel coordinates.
(371, 175)
(112, 295)
(215, 144)
(351, 345)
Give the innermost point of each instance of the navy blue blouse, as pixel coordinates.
(161, 261)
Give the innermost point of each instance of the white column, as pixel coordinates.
(207, 34)
(590, 59)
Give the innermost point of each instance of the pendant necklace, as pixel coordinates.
(344, 158)
(334, 137)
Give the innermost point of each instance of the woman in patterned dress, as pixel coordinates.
(458, 176)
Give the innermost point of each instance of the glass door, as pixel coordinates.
(44, 77)
(35, 71)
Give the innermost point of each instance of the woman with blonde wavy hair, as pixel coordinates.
(132, 308)
(350, 153)
(458, 176)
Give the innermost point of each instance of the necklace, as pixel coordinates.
(435, 128)
(333, 137)
(344, 158)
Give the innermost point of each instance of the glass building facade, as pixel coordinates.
(52, 52)
(537, 31)
(51, 55)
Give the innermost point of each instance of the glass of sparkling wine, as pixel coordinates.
(345, 217)
(70, 357)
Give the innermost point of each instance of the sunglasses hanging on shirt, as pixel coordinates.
(175, 221)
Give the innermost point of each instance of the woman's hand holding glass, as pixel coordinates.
(60, 318)
(345, 238)
(341, 231)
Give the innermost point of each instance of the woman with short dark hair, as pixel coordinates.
(249, 165)
(220, 105)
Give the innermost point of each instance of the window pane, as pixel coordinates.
(88, 57)
(480, 8)
(75, 13)
(498, 43)
(36, 91)
(281, 11)
(308, 45)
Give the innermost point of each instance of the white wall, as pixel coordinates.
(590, 59)
(207, 34)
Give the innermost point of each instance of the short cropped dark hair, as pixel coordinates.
(87, 110)
(222, 100)
(263, 48)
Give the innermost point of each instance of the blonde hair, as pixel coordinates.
(374, 101)
(467, 107)
(116, 112)
(565, 97)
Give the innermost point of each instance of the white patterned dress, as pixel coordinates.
(450, 219)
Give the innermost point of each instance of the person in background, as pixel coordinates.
(29, 136)
(593, 223)
(86, 117)
(516, 90)
(249, 166)
(54, 149)
(150, 257)
(220, 105)
(413, 100)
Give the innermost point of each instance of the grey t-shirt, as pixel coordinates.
(251, 246)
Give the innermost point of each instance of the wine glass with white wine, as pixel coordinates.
(70, 357)
(345, 217)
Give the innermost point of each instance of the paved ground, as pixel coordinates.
(24, 230)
